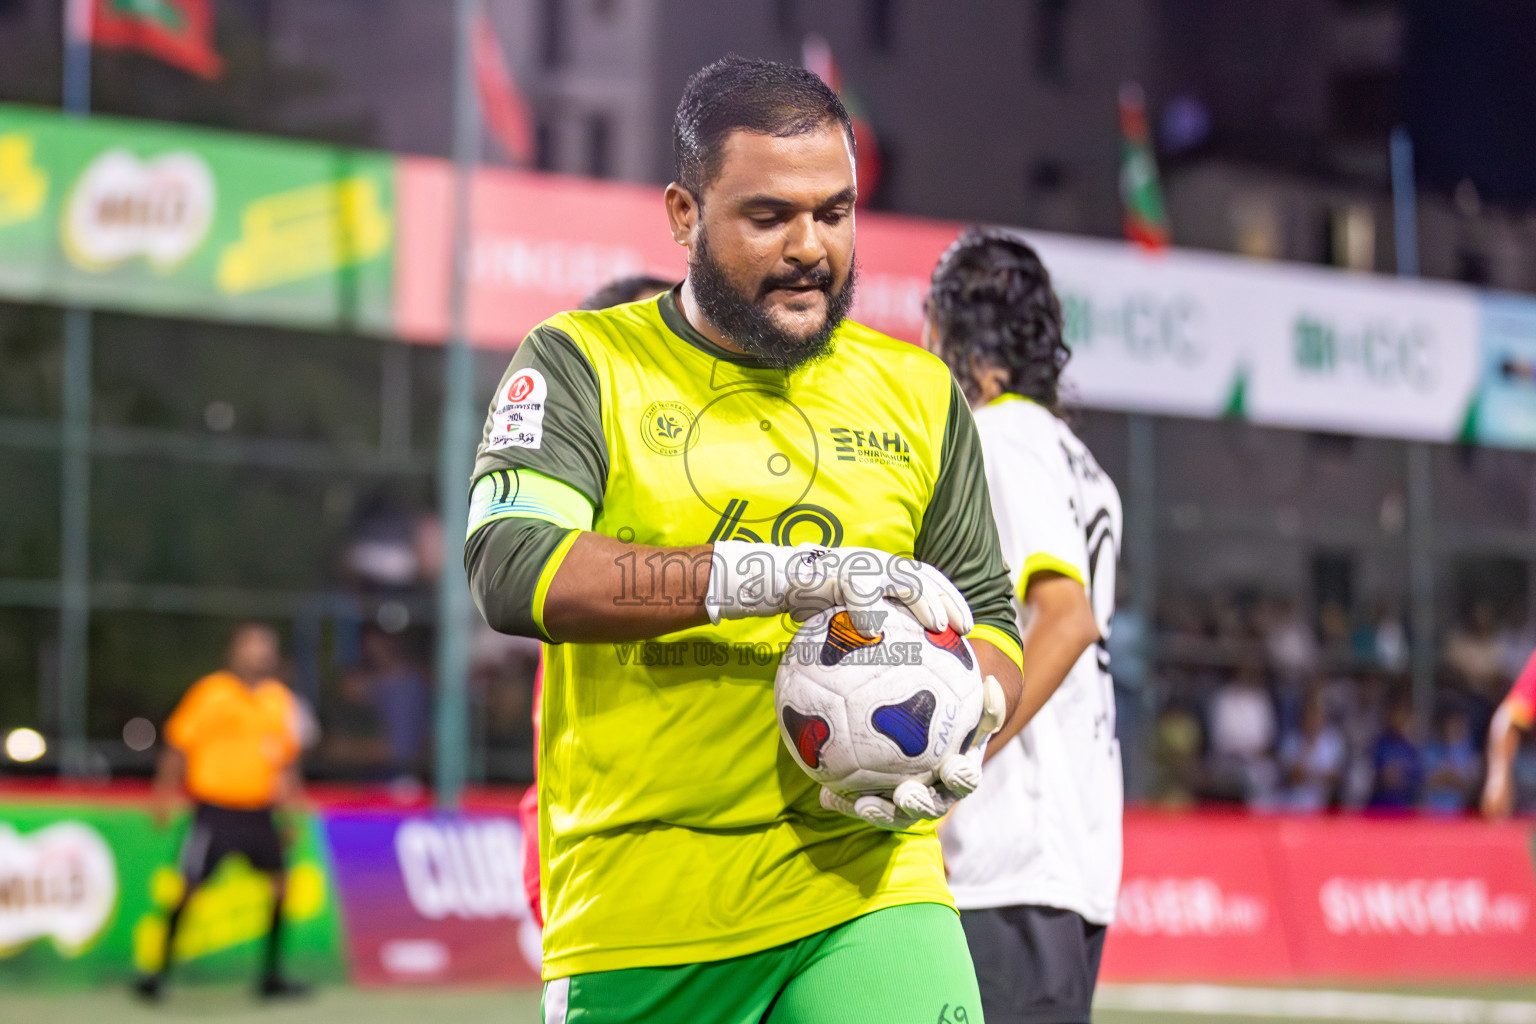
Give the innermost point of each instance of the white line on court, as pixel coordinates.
(1312, 1004)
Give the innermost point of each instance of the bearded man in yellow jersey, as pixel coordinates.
(665, 489)
(232, 745)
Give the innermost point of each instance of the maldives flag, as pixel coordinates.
(179, 32)
(816, 55)
(1146, 219)
(501, 104)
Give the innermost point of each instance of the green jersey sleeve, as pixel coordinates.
(958, 535)
(539, 477)
(547, 416)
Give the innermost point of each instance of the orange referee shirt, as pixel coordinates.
(237, 739)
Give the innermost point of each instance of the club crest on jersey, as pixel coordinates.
(665, 427)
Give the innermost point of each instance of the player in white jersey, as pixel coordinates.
(1034, 855)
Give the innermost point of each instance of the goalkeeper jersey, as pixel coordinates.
(673, 826)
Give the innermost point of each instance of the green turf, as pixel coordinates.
(231, 1005)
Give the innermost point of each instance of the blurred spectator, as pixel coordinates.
(1128, 641)
(1289, 642)
(1336, 630)
(354, 745)
(1398, 764)
(399, 691)
(627, 289)
(1473, 653)
(1391, 639)
(1452, 766)
(1312, 760)
(1176, 757)
(1516, 639)
(1358, 705)
(502, 672)
(1242, 731)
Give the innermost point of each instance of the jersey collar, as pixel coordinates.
(672, 316)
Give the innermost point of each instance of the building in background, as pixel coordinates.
(1270, 118)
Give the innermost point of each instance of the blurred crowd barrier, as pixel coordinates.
(385, 895)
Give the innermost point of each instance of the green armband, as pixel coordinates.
(527, 494)
(521, 524)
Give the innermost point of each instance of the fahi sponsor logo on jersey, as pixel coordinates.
(518, 421)
(58, 883)
(871, 447)
(1420, 906)
(1177, 907)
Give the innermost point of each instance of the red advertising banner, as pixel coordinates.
(1408, 899)
(1252, 899)
(1198, 900)
(541, 242)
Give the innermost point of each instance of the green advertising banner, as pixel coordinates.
(157, 218)
(84, 890)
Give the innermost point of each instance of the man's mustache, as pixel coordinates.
(820, 278)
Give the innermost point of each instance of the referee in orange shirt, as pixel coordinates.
(232, 745)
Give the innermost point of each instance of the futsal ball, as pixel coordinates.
(863, 715)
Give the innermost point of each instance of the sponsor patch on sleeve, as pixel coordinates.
(518, 420)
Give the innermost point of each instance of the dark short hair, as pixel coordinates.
(626, 289)
(991, 300)
(735, 94)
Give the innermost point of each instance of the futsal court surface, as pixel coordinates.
(1117, 1004)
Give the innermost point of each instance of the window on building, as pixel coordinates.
(544, 146)
(879, 23)
(786, 17)
(552, 41)
(600, 146)
(1051, 40)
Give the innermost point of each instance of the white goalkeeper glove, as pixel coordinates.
(914, 801)
(748, 580)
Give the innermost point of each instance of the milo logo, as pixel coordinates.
(123, 207)
(59, 883)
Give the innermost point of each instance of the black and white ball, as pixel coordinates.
(863, 715)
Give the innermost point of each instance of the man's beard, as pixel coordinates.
(746, 323)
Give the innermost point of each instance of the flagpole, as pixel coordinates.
(457, 438)
(75, 454)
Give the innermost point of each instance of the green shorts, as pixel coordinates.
(894, 966)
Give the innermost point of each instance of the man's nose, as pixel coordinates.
(803, 246)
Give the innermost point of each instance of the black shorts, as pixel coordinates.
(1035, 965)
(219, 831)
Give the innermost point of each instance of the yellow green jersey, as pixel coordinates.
(674, 827)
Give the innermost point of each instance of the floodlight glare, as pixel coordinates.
(25, 745)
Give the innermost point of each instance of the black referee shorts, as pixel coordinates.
(1035, 965)
(218, 832)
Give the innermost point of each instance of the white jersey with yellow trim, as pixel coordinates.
(1045, 827)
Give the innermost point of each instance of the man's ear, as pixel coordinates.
(682, 214)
